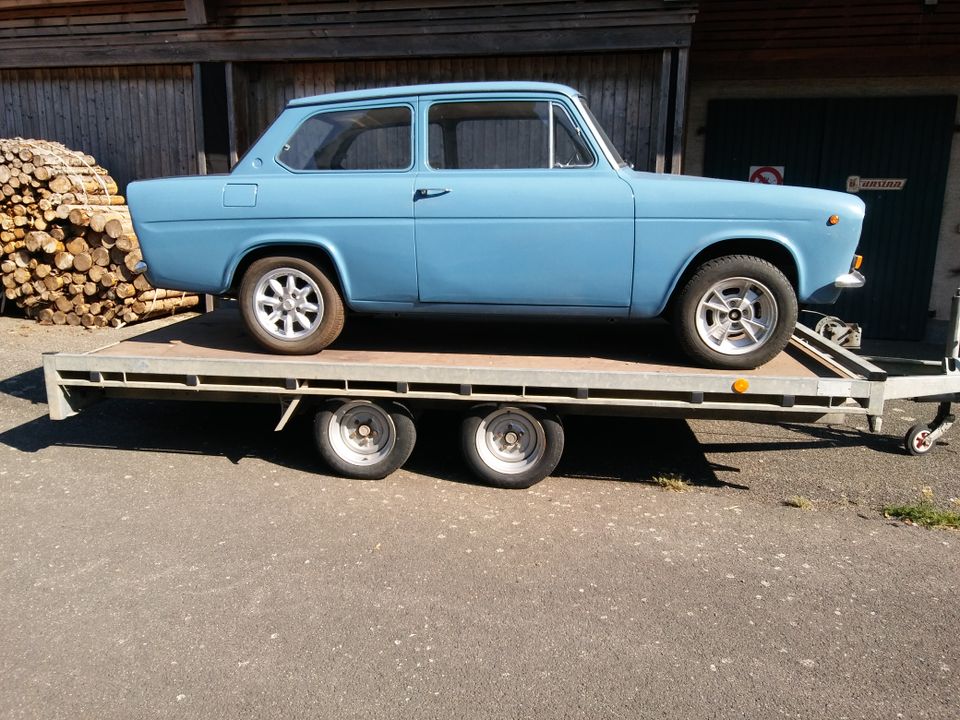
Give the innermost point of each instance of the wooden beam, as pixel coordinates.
(197, 12)
(222, 45)
(680, 110)
(30, 4)
(198, 120)
(666, 71)
(232, 128)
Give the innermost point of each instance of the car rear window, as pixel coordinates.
(364, 139)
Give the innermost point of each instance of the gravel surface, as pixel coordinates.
(167, 559)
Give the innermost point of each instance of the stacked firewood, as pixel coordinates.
(67, 246)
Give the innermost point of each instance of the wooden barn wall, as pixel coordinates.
(825, 38)
(137, 121)
(40, 33)
(622, 89)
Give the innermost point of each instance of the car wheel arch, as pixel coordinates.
(319, 254)
(775, 251)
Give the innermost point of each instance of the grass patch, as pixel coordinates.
(799, 501)
(924, 513)
(673, 483)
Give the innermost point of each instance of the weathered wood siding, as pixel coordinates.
(622, 89)
(828, 38)
(137, 121)
(42, 33)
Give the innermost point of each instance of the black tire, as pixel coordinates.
(326, 325)
(913, 441)
(339, 438)
(736, 269)
(539, 443)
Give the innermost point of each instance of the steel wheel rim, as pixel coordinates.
(736, 316)
(362, 433)
(510, 441)
(288, 304)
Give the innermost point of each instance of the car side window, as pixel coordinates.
(570, 147)
(364, 139)
(513, 134)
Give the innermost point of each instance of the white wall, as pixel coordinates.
(948, 250)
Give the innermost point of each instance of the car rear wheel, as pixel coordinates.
(736, 312)
(290, 306)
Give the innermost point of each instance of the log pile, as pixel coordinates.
(67, 246)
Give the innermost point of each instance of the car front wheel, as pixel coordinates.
(736, 312)
(290, 306)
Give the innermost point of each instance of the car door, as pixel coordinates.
(347, 185)
(515, 205)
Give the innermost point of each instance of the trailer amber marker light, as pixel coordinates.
(741, 385)
(833, 220)
(857, 261)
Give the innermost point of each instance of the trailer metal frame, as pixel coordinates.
(842, 383)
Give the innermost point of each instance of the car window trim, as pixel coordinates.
(551, 101)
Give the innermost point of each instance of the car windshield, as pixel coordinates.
(608, 144)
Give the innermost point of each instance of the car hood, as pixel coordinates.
(685, 196)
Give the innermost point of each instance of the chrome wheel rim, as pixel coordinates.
(361, 433)
(288, 304)
(510, 441)
(736, 316)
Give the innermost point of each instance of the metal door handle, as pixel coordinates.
(423, 193)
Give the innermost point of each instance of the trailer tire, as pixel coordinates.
(362, 439)
(290, 306)
(511, 447)
(747, 299)
(914, 441)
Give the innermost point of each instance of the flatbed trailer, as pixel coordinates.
(367, 397)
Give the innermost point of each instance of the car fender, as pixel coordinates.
(728, 235)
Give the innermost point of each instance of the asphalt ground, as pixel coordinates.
(164, 559)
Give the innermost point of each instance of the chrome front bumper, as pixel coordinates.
(852, 279)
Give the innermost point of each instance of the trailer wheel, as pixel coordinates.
(290, 306)
(916, 441)
(362, 439)
(512, 447)
(736, 312)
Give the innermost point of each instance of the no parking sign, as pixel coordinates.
(766, 174)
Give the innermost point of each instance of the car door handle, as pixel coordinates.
(424, 193)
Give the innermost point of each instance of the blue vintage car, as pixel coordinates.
(492, 199)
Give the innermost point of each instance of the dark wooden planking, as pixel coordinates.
(136, 121)
(832, 38)
(106, 33)
(617, 86)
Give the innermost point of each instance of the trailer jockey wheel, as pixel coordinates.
(917, 441)
(512, 447)
(363, 439)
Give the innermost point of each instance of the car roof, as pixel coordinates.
(435, 89)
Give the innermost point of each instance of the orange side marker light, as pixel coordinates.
(741, 385)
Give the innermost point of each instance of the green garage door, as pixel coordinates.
(864, 144)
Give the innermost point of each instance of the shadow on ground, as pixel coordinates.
(27, 385)
(623, 449)
(602, 448)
